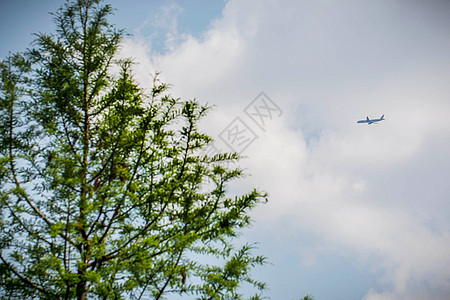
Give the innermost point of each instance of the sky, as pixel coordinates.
(355, 211)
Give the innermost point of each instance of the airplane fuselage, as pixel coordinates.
(371, 121)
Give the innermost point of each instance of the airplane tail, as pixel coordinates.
(382, 117)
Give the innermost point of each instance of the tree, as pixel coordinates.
(105, 190)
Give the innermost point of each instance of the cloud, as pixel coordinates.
(164, 34)
(378, 192)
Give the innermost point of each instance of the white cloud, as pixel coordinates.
(378, 191)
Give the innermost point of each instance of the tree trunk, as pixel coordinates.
(81, 290)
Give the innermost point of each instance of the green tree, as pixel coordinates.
(105, 190)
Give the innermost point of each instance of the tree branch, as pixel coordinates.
(24, 279)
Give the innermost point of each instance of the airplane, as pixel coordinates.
(371, 121)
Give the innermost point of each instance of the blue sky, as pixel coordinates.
(21, 18)
(355, 211)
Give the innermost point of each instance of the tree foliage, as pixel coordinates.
(105, 192)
